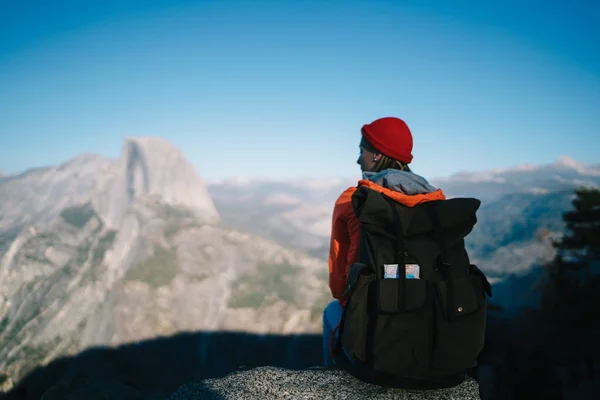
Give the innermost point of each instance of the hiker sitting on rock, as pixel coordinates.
(385, 152)
(410, 307)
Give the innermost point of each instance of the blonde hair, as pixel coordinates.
(384, 162)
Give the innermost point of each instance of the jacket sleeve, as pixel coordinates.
(343, 248)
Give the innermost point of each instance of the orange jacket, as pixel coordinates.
(345, 232)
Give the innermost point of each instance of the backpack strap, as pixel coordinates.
(486, 284)
(444, 265)
(400, 250)
(355, 270)
(332, 351)
(338, 343)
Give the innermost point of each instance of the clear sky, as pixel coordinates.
(281, 88)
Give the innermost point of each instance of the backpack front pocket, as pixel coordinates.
(460, 314)
(403, 339)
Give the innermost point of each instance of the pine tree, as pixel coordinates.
(584, 225)
(576, 293)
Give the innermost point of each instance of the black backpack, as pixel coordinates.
(423, 333)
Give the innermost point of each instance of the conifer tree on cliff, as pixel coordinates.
(576, 290)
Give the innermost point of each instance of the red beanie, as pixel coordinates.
(391, 137)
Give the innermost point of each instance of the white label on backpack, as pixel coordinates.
(390, 271)
(412, 271)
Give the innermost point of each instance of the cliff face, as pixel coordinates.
(149, 168)
(153, 168)
(103, 252)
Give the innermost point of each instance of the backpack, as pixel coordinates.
(422, 325)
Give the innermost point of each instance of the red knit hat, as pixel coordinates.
(391, 137)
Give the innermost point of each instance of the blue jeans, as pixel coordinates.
(332, 316)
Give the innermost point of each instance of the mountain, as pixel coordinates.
(563, 174)
(521, 210)
(98, 251)
(148, 167)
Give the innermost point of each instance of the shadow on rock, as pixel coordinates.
(156, 368)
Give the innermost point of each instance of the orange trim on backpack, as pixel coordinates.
(405, 199)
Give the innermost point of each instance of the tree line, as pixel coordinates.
(553, 350)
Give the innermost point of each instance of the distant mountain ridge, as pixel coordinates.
(96, 251)
(562, 164)
(517, 204)
(147, 167)
(564, 173)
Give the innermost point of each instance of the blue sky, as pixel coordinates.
(280, 89)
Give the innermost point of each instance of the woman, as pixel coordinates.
(385, 152)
